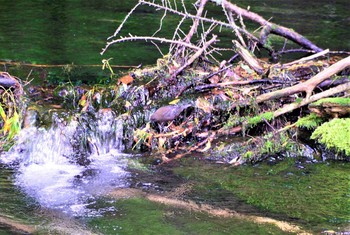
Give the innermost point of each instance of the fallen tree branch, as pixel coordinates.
(311, 57)
(332, 91)
(196, 21)
(12, 63)
(269, 27)
(309, 85)
(237, 83)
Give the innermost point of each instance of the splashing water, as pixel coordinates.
(49, 172)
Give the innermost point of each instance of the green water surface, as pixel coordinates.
(314, 195)
(75, 31)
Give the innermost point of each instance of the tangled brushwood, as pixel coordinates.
(206, 89)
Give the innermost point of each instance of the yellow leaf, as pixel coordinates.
(2, 113)
(7, 126)
(196, 120)
(207, 147)
(82, 101)
(175, 101)
(127, 104)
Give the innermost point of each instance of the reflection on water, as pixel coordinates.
(68, 31)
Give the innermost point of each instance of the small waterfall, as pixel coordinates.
(68, 165)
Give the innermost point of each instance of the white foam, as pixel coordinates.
(47, 172)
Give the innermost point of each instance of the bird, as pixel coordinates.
(168, 112)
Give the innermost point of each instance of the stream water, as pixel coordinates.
(58, 179)
(48, 171)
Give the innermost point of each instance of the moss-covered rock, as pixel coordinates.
(334, 134)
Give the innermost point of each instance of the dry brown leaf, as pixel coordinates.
(204, 105)
(127, 79)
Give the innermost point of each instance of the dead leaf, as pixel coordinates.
(126, 80)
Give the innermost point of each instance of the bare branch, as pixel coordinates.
(269, 27)
(187, 15)
(125, 19)
(332, 91)
(196, 21)
(309, 85)
(195, 56)
(135, 38)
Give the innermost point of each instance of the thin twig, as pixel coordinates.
(311, 57)
(187, 15)
(145, 38)
(195, 56)
(196, 21)
(125, 19)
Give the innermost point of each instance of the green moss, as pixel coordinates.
(268, 116)
(337, 100)
(334, 134)
(233, 120)
(315, 195)
(309, 122)
(275, 143)
(248, 155)
(140, 216)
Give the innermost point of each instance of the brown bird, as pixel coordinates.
(168, 113)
